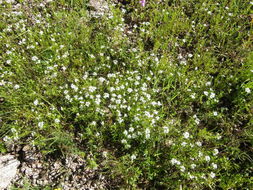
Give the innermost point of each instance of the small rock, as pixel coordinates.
(57, 165)
(100, 7)
(26, 148)
(8, 170)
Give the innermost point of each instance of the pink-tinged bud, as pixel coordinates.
(143, 2)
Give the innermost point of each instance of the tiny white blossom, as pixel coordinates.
(133, 157)
(212, 175)
(175, 161)
(190, 55)
(74, 87)
(212, 95)
(247, 90)
(131, 129)
(16, 86)
(147, 133)
(182, 168)
(57, 121)
(215, 151)
(92, 88)
(199, 143)
(186, 135)
(41, 124)
(125, 132)
(207, 158)
(36, 102)
(193, 166)
(215, 113)
(166, 130)
(193, 96)
(106, 95)
(129, 90)
(206, 93)
(93, 123)
(214, 166)
(101, 79)
(35, 58)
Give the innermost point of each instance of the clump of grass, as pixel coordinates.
(162, 93)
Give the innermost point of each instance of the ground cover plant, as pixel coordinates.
(156, 94)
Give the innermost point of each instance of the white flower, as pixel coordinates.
(207, 158)
(206, 93)
(57, 121)
(214, 166)
(94, 123)
(8, 52)
(105, 154)
(35, 58)
(101, 79)
(92, 88)
(106, 95)
(10, 1)
(131, 129)
(183, 143)
(123, 141)
(125, 132)
(193, 96)
(193, 166)
(215, 151)
(133, 157)
(67, 97)
(191, 176)
(112, 89)
(212, 95)
(165, 130)
(74, 87)
(136, 83)
(197, 121)
(175, 161)
(36, 102)
(190, 55)
(186, 135)
(147, 133)
(182, 168)
(129, 90)
(199, 143)
(215, 113)
(40, 124)
(16, 86)
(212, 175)
(247, 90)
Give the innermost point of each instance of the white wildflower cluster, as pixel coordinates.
(115, 86)
(117, 95)
(187, 165)
(192, 157)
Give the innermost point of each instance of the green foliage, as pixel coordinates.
(159, 97)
